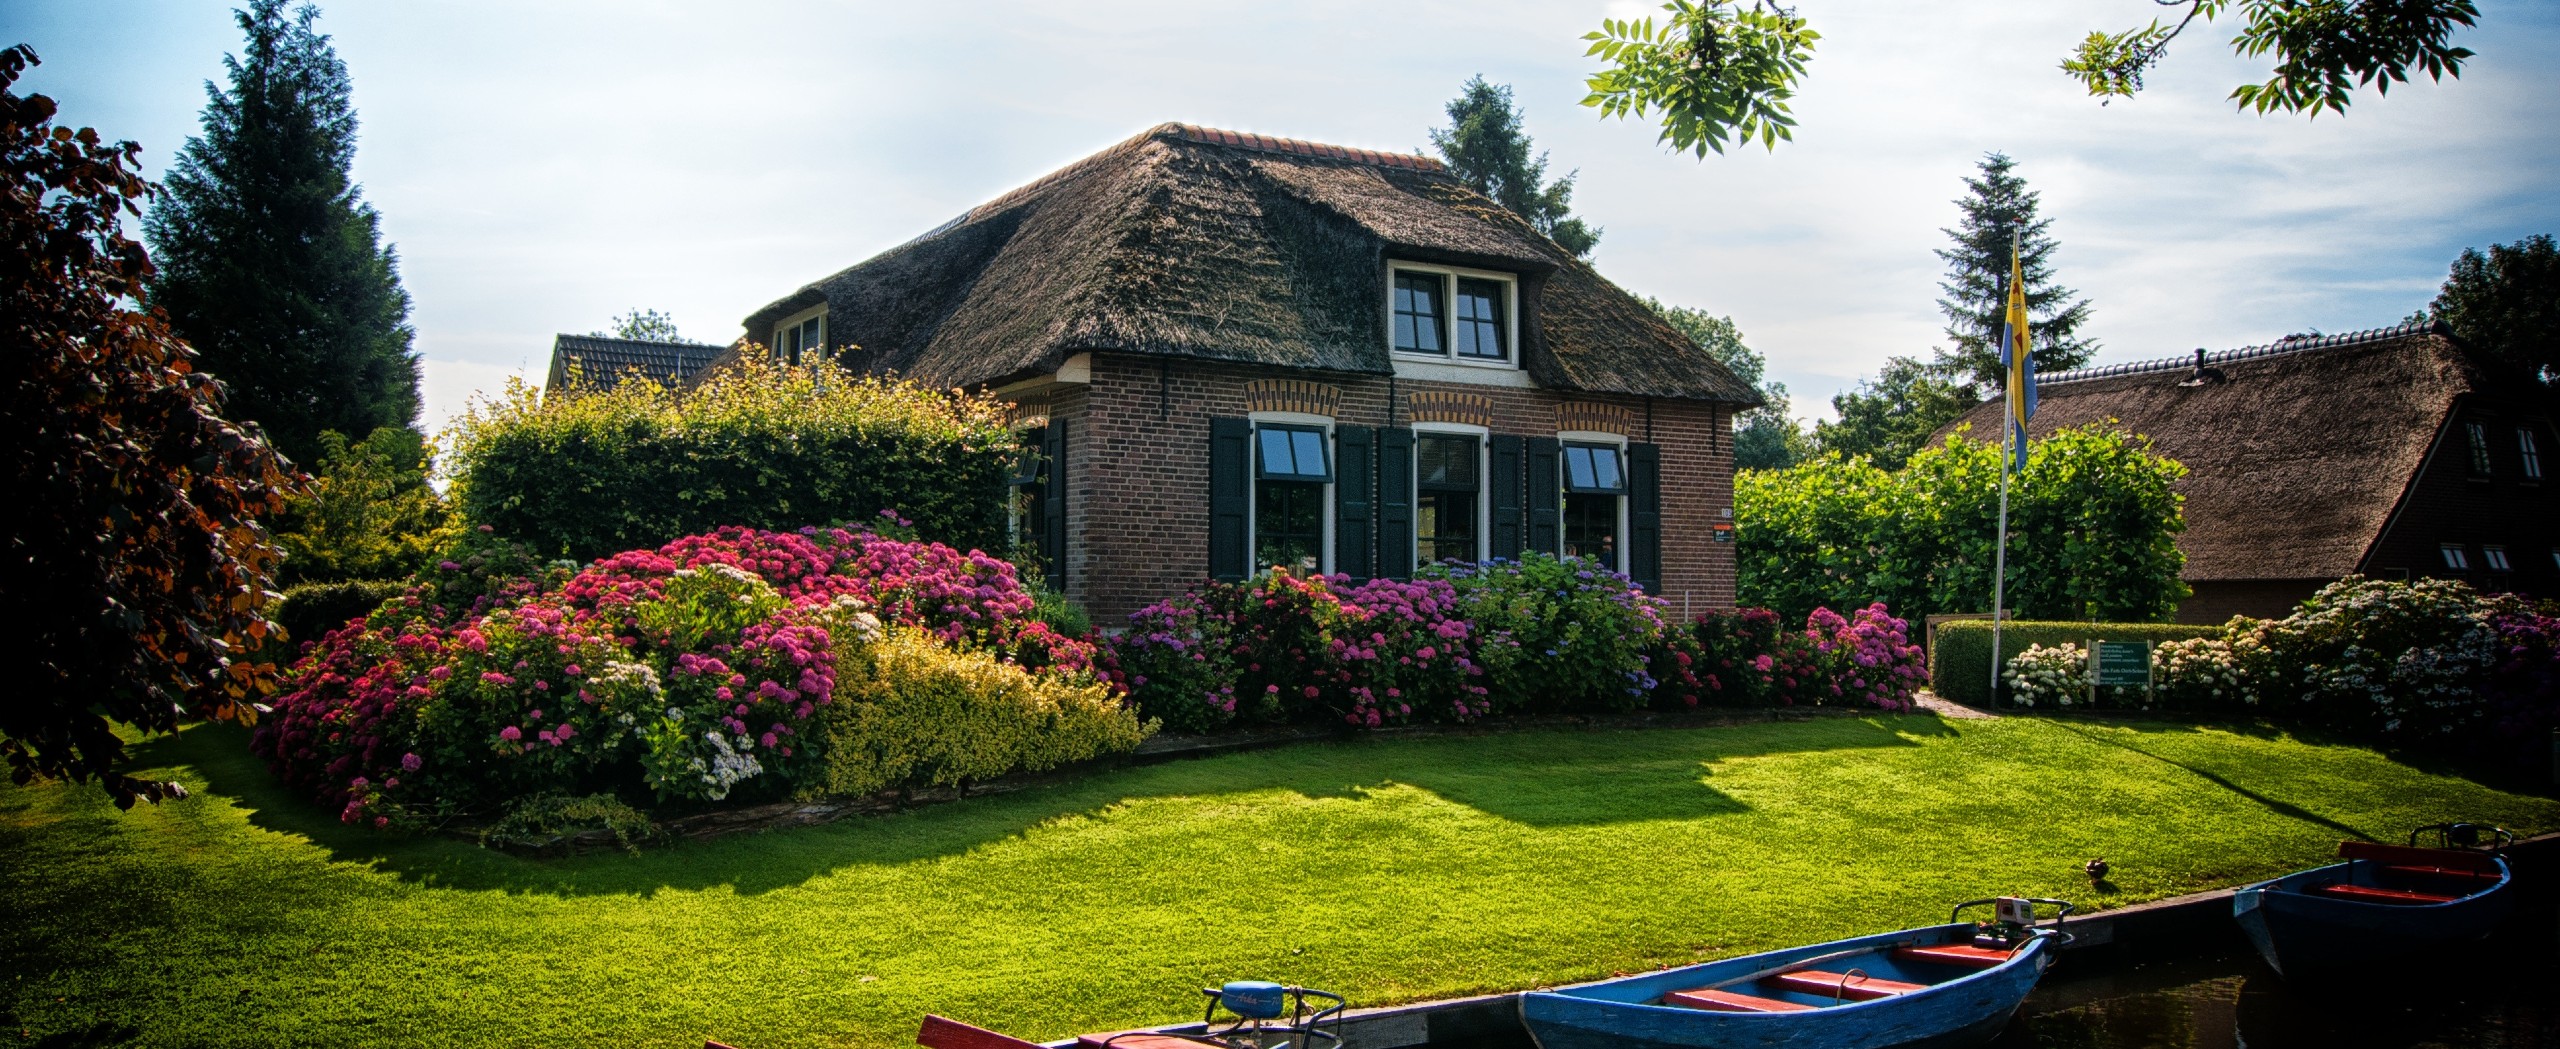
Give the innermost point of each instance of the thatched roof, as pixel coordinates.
(1191, 242)
(601, 362)
(2295, 459)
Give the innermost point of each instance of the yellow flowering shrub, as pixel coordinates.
(911, 711)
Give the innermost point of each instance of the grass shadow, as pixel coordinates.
(1546, 778)
(2277, 806)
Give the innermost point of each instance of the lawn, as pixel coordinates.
(1386, 869)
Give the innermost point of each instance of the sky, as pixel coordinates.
(542, 166)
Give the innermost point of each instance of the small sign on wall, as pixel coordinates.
(1722, 531)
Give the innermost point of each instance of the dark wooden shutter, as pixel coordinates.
(1230, 497)
(1053, 504)
(1353, 476)
(1395, 503)
(1546, 504)
(1644, 516)
(1502, 490)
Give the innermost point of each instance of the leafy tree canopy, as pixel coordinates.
(135, 569)
(1764, 438)
(2324, 49)
(1889, 418)
(1486, 148)
(2505, 305)
(1721, 73)
(270, 261)
(1998, 206)
(643, 325)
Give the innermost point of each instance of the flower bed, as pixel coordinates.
(1464, 642)
(2429, 662)
(703, 670)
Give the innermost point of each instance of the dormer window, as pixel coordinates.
(803, 338)
(1457, 315)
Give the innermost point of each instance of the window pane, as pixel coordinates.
(2532, 454)
(1417, 309)
(1577, 468)
(1311, 459)
(1604, 461)
(2495, 556)
(1445, 462)
(1480, 327)
(2454, 556)
(1276, 460)
(1288, 526)
(1591, 528)
(2479, 448)
(1445, 527)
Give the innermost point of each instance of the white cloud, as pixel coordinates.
(542, 167)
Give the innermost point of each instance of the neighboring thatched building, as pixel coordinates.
(2381, 453)
(1241, 351)
(597, 362)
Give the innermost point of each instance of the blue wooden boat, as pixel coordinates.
(1953, 984)
(2383, 910)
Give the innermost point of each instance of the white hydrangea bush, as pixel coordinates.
(2056, 676)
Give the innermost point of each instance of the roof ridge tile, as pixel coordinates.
(2289, 344)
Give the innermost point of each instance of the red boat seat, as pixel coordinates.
(1853, 987)
(2373, 894)
(942, 1033)
(1964, 954)
(2440, 872)
(1135, 1040)
(1721, 1001)
(2446, 860)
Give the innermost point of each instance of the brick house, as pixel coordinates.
(1239, 352)
(2384, 453)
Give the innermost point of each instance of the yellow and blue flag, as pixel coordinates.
(2019, 361)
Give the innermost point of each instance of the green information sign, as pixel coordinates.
(2120, 663)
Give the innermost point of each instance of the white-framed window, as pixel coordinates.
(2455, 558)
(1290, 524)
(2495, 557)
(2531, 453)
(1457, 315)
(1594, 491)
(1451, 515)
(802, 337)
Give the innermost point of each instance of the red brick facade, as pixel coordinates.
(2453, 502)
(1137, 469)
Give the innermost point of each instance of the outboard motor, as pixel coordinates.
(1266, 1015)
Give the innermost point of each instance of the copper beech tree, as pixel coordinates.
(136, 571)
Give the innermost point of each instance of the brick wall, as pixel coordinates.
(1138, 471)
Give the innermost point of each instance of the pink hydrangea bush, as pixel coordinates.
(697, 668)
(1747, 657)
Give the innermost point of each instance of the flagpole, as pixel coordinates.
(2009, 436)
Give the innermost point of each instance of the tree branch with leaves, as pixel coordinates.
(2324, 49)
(1719, 73)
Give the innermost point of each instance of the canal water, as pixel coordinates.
(2505, 996)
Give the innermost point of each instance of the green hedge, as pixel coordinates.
(1960, 656)
(313, 609)
(586, 475)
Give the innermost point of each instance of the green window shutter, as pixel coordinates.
(1352, 477)
(1053, 504)
(1546, 503)
(1510, 518)
(1395, 503)
(1230, 497)
(1644, 516)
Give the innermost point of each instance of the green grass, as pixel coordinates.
(1387, 869)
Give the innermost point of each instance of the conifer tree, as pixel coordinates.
(270, 262)
(1485, 147)
(1997, 205)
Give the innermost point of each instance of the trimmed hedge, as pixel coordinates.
(586, 475)
(311, 610)
(1960, 656)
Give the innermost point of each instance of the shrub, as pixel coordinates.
(2385, 658)
(543, 819)
(369, 515)
(2209, 673)
(1960, 655)
(696, 670)
(310, 611)
(920, 713)
(1746, 657)
(757, 444)
(2092, 519)
(2055, 676)
(1558, 633)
